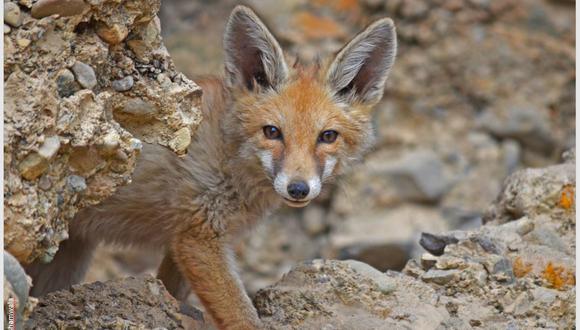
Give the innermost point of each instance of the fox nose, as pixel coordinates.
(298, 189)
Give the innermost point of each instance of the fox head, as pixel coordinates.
(303, 125)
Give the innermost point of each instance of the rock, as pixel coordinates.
(23, 42)
(181, 140)
(76, 183)
(19, 285)
(139, 107)
(32, 166)
(512, 152)
(140, 303)
(6, 29)
(113, 34)
(12, 14)
(43, 8)
(44, 102)
(532, 191)
(418, 176)
(528, 125)
(85, 75)
(50, 147)
(315, 295)
(123, 85)
(66, 83)
(428, 261)
(441, 277)
(436, 244)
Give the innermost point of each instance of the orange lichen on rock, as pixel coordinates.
(567, 198)
(521, 268)
(558, 276)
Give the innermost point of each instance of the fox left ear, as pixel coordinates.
(253, 58)
(360, 69)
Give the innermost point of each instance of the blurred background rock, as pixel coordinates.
(479, 89)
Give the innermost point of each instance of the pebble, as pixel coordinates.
(111, 141)
(136, 144)
(50, 147)
(44, 183)
(440, 277)
(66, 84)
(25, 3)
(428, 261)
(123, 85)
(12, 14)
(6, 29)
(23, 42)
(43, 8)
(139, 107)
(112, 35)
(76, 182)
(32, 166)
(181, 140)
(419, 176)
(85, 75)
(435, 244)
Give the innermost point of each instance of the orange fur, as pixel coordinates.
(196, 206)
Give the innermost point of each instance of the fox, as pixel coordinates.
(271, 134)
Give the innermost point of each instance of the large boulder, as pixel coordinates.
(84, 85)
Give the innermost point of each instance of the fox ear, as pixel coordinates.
(253, 58)
(360, 69)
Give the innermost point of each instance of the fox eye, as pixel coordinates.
(272, 132)
(328, 136)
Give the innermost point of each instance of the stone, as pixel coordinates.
(114, 34)
(531, 191)
(139, 107)
(19, 282)
(136, 144)
(77, 183)
(181, 140)
(43, 8)
(544, 295)
(418, 176)
(441, 277)
(123, 85)
(526, 124)
(26, 3)
(50, 147)
(12, 14)
(436, 244)
(428, 261)
(6, 29)
(23, 42)
(66, 83)
(85, 75)
(32, 166)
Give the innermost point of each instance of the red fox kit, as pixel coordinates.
(270, 134)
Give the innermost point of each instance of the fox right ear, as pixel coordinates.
(253, 58)
(359, 71)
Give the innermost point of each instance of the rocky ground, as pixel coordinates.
(479, 91)
(515, 272)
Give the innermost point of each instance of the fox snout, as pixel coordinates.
(297, 192)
